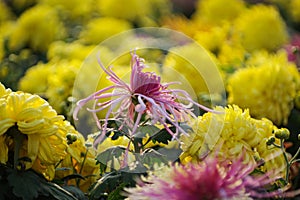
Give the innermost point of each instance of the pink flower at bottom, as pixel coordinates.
(208, 180)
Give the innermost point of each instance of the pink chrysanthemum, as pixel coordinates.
(208, 180)
(145, 95)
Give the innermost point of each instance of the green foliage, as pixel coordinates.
(28, 185)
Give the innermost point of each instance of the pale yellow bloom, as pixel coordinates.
(230, 136)
(261, 27)
(267, 87)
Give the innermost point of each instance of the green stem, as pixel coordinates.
(81, 168)
(296, 154)
(288, 164)
(18, 141)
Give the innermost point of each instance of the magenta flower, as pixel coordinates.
(209, 180)
(145, 95)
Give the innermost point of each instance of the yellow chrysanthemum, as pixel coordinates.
(231, 135)
(54, 80)
(178, 64)
(144, 13)
(212, 38)
(4, 91)
(218, 11)
(75, 50)
(294, 10)
(80, 159)
(31, 118)
(100, 29)
(5, 13)
(231, 56)
(74, 10)
(267, 88)
(261, 27)
(37, 27)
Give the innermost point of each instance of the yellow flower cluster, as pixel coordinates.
(31, 29)
(54, 80)
(232, 135)
(30, 126)
(267, 87)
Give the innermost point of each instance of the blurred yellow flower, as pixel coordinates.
(54, 80)
(195, 79)
(31, 118)
(100, 29)
(267, 87)
(61, 50)
(294, 10)
(143, 13)
(230, 136)
(261, 27)
(218, 11)
(37, 27)
(75, 10)
(5, 13)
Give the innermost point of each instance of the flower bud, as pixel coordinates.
(282, 133)
(270, 141)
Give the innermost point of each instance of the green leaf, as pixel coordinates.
(28, 185)
(108, 155)
(142, 131)
(116, 194)
(163, 136)
(75, 191)
(150, 157)
(112, 181)
(73, 176)
(25, 185)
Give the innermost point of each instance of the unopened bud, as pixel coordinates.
(282, 133)
(270, 141)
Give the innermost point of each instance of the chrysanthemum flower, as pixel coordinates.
(144, 95)
(218, 11)
(294, 10)
(267, 87)
(209, 179)
(31, 118)
(230, 135)
(32, 30)
(100, 29)
(261, 27)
